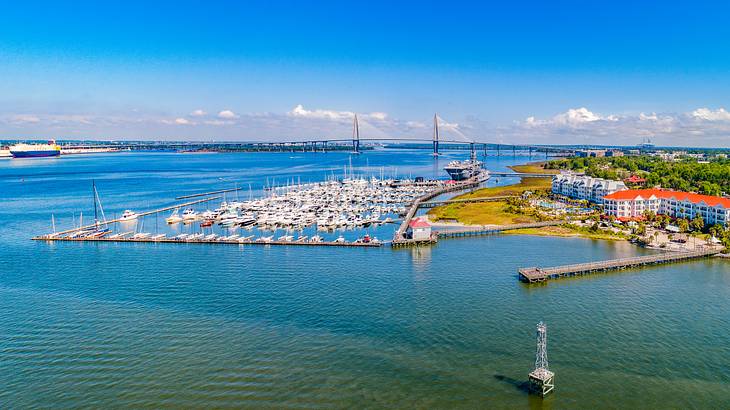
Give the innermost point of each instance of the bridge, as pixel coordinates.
(353, 144)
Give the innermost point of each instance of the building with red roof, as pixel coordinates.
(633, 203)
(635, 179)
(420, 229)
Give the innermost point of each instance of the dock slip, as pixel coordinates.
(535, 274)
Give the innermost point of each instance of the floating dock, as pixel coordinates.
(537, 275)
(210, 242)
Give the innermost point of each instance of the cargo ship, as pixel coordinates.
(22, 150)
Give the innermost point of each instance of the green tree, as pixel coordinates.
(683, 224)
(697, 223)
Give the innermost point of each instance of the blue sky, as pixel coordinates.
(511, 71)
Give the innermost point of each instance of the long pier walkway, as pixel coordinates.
(210, 242)
(399, 238)
(535, 274)
(491, 230)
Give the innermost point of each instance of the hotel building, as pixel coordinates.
(585, 187)
(632, 204)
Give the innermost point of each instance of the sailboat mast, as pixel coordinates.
(93, 196)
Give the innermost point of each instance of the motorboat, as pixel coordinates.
(128, 215)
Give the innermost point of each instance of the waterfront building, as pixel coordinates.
(585, 187)
(593, 153)
(633, 203)
(420, 229)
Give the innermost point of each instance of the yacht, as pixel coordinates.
(174, 218)
(129, 215)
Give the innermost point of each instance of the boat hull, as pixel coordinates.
(35, 154)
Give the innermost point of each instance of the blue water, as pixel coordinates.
(147, 326)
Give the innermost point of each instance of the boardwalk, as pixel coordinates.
(399, 238)
(535, 274)
(491, 230)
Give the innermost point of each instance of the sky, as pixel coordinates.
(555, 72)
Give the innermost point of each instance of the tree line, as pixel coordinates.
(710, 178)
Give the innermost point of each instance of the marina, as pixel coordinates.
(330, 206)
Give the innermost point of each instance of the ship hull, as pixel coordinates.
(35, 154)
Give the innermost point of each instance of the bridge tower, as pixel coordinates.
(435, 135)
(356, 136)
(541, 379)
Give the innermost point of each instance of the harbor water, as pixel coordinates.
(135, 325)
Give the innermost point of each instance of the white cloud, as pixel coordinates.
(415, 124)
(300, 112)
(218, 122)
(198, 113)
(25, 118)
(578, 116)
(707, 114)
(182, 121)
(227, 114)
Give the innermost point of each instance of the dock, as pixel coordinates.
(491, 230)
(538, 275)
(210, 242)
(399, 238)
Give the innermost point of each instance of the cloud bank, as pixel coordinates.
(702, 126)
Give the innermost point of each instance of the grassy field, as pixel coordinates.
(482, 213)
(526, 184)
(489, 213)
(534, 167)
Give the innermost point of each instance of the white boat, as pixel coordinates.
(158, 237)
(265, 239)
(129, 215)
(286, 238)
(141, 235)
(340, 239)
(189, 215)
(245, 239)
(210, 237)
(174, 218)
(315, 239)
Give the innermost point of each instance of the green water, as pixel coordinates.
(185, 326)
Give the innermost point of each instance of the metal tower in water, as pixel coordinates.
(435, 135)
(356, 136)
(541, 379)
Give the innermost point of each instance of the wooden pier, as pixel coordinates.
(491, 230)
(399, 238)
(209, 242)
(536, 275)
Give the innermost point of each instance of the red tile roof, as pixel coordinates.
(635, 179)
(419, 223)
(632, 194)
